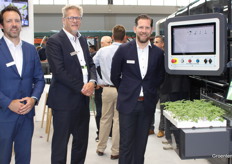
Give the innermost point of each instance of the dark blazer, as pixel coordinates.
(126, 76)
(42, 54)
(12, 86)
(67, 79)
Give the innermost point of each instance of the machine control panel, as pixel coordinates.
(193, 62)
(196, 44)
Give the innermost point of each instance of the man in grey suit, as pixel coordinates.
(73, 81)
(137, 71)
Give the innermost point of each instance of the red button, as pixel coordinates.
(189, 60)
(173, 61)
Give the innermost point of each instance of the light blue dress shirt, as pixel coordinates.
(103, 58)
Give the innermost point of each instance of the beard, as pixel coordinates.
(14, 34)
(145, 40)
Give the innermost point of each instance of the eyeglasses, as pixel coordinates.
(71, 19)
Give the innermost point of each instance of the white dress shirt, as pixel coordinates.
(16, 53)
(103, 58)
(143, 62)
(79, 52)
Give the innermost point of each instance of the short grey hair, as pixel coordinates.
(68, 7)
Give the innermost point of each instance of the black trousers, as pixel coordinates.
(163, 98)
(65, 123)
(134, 128)
(98, 103)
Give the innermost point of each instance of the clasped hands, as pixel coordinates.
(88, 89)
(22, 106)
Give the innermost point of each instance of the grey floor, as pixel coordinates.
(41, 149)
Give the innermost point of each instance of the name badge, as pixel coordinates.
(130, 62)
(73, 53)
(10, 64)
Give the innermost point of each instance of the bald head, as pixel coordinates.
(106, 41)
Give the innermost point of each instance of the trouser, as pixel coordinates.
(18, 133)
(65, 123)
(109, 115)
(163, 98)
(98, 103)
(134, 128)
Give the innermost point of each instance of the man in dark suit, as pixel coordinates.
(97, 93)
(73, 81)
(92, 50)
(137, 71)
(21, 85)
(159, 42)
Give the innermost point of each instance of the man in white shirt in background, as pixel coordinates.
(103, 59)
(105, 41)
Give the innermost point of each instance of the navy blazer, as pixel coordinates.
(67, 78)
(12, 86)
(126, 76)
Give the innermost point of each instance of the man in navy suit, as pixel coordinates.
(21, 85)
(73, 81)
(137, 71)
